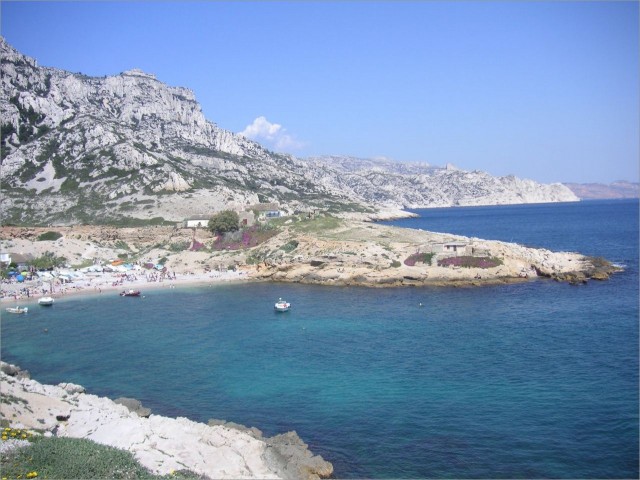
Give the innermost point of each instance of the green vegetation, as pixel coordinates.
(177, 247)
(223, 222)
(49, 236)
(289, 246)
(73, 458)
(47, 260)
(419, 258)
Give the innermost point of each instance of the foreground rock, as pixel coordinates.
(161, 444)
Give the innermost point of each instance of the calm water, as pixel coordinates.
(520, 381)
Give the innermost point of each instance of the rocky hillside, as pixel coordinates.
(419, 185)
(592, 191)
(79, 149)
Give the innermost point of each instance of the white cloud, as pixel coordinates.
(263, 131)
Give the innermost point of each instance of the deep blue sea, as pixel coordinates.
(517, 381)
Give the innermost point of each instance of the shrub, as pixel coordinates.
(470, 262)
(247, 238)
(71, 458)
(179, 246)
(223, 222)
(196, 246)
(418, 258)
(49, 236)
(47, 260)
(289, 246)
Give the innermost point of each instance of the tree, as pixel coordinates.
(223, 222)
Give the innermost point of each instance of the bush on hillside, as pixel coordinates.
(49, 236)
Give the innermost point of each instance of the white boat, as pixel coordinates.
(45, 301)
(17, 309)
(282, 306)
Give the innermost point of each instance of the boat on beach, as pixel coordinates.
(282, 305)
(17, 309)
(130, 293)
(45, 301)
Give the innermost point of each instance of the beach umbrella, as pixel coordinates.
(20, 278)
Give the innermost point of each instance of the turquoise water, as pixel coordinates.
(518, 381)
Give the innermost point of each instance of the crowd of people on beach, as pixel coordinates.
(96, 282)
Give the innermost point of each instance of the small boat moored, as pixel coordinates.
(17, 309)
(45, 301)
(282, 306)
(130, 293)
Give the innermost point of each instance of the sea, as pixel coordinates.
(530, 380)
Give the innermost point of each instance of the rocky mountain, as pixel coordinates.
(79, 149)
(419, 185)
(592, 191)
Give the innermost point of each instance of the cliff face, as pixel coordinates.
(79, 149)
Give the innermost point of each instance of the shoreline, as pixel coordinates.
(161, 444)
(105, 286)
(323, 251)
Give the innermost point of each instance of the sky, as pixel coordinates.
(542, 90)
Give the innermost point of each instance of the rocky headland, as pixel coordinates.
(323, 250)
(163, 445)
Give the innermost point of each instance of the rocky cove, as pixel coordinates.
(321, 250)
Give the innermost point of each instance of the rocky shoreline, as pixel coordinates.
(323, 250)
(163, 445)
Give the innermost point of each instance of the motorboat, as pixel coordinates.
(282, 306)
(17, 309)
(130, 293)
(45, 301)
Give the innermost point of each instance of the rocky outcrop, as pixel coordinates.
(134, 406)
(161, 444)
(287, 453)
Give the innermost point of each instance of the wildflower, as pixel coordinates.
(32, 474)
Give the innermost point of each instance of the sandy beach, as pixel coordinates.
(28, 292)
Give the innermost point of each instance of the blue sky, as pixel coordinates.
(540, 90)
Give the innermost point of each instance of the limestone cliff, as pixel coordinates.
(80, 149)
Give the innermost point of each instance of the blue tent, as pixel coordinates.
(20, 278)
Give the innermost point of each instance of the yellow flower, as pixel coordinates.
(32, 474)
